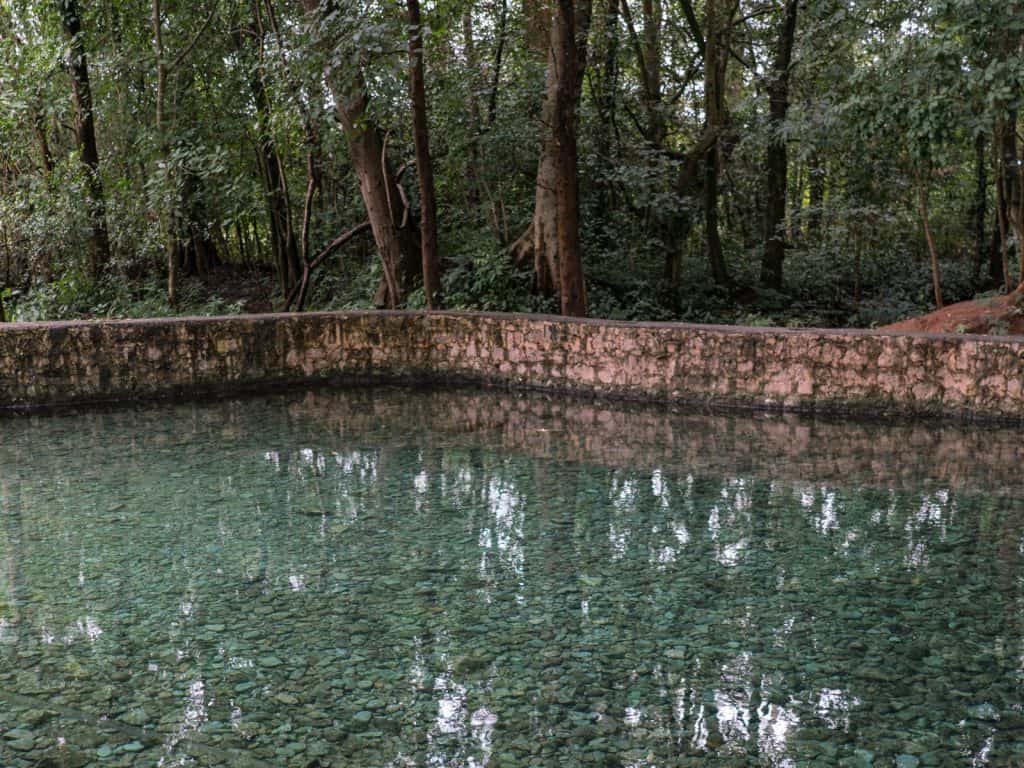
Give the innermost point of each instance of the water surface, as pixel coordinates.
(395, 578)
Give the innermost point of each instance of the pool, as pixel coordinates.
(421, 578)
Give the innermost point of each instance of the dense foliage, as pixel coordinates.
(228, 138)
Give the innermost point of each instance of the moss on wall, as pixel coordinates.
(953, 375)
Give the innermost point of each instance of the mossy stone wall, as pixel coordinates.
(953, 375)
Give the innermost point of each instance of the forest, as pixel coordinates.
(830, 163)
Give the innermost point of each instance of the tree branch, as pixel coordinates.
(192, 43)
(693, 24)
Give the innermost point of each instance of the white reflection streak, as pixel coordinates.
(193, 718)
(666, 555)
(618, 540)
(482, 723)
(679, 708)
(658, 489)
(731, 554)
(682, 533)
(505, 505)
(83, 628)
(773, 731)
(274, 458)
(733, 703)
(420, 485)
(981, 758)
(834, 708)
(733, 715)
(418, 670)
(700, 729)
(451, 707)
(828, 517)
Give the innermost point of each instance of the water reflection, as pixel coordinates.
(329, 595)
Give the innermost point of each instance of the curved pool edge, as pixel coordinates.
(846, 372)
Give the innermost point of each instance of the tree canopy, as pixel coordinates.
(799, 162)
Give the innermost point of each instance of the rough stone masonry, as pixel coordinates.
(822, 370)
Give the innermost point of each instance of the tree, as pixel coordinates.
(424, 166)
(283, 243)
(85, 135)
(553, 235)
(718, 32)
(385, 203)
(776, 162)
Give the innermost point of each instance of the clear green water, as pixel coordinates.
(400, 579)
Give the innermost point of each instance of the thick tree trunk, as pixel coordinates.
(1013, 190)
(540, 243)
(424, 165)
(1007, 187)
(379, 192)
(570, 283)
(85, 136)
(385, 207)
(656, 130)
(777, 170)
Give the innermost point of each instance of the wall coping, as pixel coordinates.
(748, 330)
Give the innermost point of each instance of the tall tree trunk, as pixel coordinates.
(652, 66)
(777, 162)
(979, 211)
(664, 223)
(476, 129)
(85, 136)
(540, 242)
(283, 242)
(168, 217)
(45, 261)
(499, 50)
(816, 196)
(1013, 191)
(385, 208)
(424, 166)
(1006, 183)
(604, 99)
(715, 62)
(570, 283)
(39, 127)
(922, 201)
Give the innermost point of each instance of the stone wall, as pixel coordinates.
(953, 375)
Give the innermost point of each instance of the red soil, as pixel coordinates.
(997, 315)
